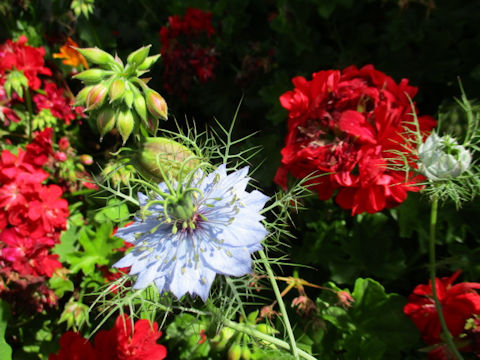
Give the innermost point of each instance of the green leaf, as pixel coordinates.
(5, 349)
(60, 285)
(98, 247)
(68, 240)
(115, 211)
(381, 315)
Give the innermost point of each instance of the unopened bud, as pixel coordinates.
(157, 105)
(125, 124)
(140, 106)
(246, 353)
(148, 62)
(138, 56)
(16, 81)
(105, 121)
(442, 158)
(63, 143)
(235, 352)
(60, 156)
(96, 96)
(92, 75)
(128, 98)
(81, 97)
(117, 89)
(86, 159)
(96, 56)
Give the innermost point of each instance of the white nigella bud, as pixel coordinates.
(442, 158)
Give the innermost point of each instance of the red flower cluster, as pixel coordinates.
(32, 216)
(186, 50)
(59, 105)
(17, 55)
(120, 343)
(347, 126)
(460, 302)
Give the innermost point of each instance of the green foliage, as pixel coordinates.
(5, 349)
(373, 328)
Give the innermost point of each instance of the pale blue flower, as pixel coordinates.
(183, 256)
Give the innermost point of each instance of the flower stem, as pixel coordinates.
(28, 99)
(281, 304)
(438, 306)
(273, 340)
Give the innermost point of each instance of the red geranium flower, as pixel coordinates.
(349, 125)
(17, 54)
(74, 346)
(122, 342)
(459, 302)
(186, 50)
(56, 101)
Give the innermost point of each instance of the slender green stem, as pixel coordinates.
(281, 304)
(28, 99)
(438, 306)
(246, 329)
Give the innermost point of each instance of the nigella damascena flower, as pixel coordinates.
(191, 231)
(443, 158)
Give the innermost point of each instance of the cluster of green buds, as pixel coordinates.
(442, 158)
(117, 97)
(82, 7)
(241, 346)
(75, 314)
(16, 81)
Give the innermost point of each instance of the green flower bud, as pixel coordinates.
(138, 57)
(105, 121)
(266, 329)
(92, 75)
(16, 81)
(442, 158)
(82, 95)
(246, 353)
(74, 314)
(97, 56)
(235, 352)
(125, 124)
(96, 96)
(157, 105)
(128, 98)
(148, 62)
(140, 106)
(117, 89)
(165, 154)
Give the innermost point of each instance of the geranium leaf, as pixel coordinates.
(5, 349)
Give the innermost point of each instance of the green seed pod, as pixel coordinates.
(117, 89)
(125, 124)
(105, 121)
(138, 56)
(165, 154)
(156, 104)
(96, 96)
(148, 62)
(92, 75)
(96, 56)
